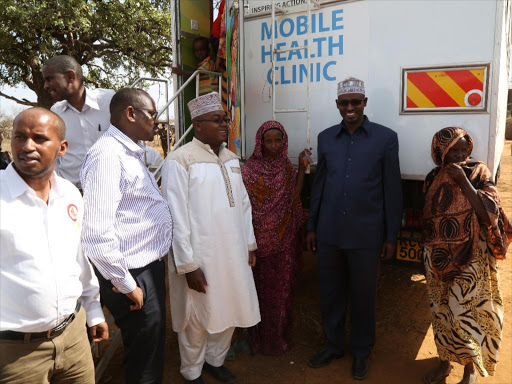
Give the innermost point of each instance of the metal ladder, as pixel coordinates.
(304, 48)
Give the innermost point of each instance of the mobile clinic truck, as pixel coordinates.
(426, 65)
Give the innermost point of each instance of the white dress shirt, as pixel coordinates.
(43, 271)
(152, 157)
(127, 222)
(213, 231)
(82, 129)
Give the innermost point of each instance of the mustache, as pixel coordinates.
(29, 156)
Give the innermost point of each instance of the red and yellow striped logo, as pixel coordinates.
(445, 89)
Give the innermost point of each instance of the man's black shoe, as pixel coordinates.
(221, 373)
(360, 368)
(199, 380)
(323, 358)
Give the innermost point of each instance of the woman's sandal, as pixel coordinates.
(432, 377)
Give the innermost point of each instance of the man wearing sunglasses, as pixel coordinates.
(211, 284)
(85, 111)
(127, 231)
(354, 217)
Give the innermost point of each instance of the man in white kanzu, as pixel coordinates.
(47, 287)
(85, 112)
(211, 283)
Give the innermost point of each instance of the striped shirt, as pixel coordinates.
(127, 222)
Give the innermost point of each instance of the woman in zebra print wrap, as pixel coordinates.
(465, 232)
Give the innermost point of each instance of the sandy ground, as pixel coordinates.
(405, 348)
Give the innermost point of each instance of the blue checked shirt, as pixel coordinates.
(127, 222)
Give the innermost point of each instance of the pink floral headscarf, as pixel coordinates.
(270, 182)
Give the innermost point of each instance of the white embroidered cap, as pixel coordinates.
(351, 85)
(204, 104)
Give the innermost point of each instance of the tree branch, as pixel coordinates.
(22, 102)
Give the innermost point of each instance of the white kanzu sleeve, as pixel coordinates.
(175, 189)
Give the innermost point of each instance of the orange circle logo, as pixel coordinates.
(72, 212)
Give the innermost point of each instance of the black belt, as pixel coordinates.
(50, 334)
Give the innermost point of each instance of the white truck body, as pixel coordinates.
(374, 41)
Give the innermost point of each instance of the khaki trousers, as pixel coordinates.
(64, 359)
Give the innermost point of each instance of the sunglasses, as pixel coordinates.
(218, 120)
(151, 112)
(352, 102)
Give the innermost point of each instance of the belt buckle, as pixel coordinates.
(54, 332)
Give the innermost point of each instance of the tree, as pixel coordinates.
(116, 40)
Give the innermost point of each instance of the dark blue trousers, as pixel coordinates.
(348, 276)
(143, 331)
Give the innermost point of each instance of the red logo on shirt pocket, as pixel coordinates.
(72, 212)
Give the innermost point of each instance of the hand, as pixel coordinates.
(218, 67)
(311, 241)
(196, 280)
(136, 296)
(305, 158)
(99, 332)
(252, 259)
(388, 251)
(177, 70)
(456, 172)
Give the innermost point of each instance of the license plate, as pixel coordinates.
(409, 250)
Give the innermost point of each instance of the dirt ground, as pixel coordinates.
(405, 347)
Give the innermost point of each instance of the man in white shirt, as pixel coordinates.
(85, 112)
(211, 283)
(47, 287)
(128, 231)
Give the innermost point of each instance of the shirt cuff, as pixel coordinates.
(125, 285)
(252, 247)
(186, 268)
(94, 315)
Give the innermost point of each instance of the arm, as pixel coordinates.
(91, 299)
(247, 212)
(101, 183)
(180, 71)
(392, 197)
(304, 161)
(458, 175)
(175, 191)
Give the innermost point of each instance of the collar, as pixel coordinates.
(17, 186)
(365, 126)
(132, 146)
(207, 147)
(91, 101)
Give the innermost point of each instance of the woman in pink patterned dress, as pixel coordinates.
(274, 189)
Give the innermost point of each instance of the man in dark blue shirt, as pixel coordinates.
(354, 217)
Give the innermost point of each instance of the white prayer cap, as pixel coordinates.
(204, 104)
(351, 85)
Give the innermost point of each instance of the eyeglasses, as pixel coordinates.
(218, 120)
(352, 102)
(152, 113)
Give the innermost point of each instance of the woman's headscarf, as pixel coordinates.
(270, 182)
(445, 139)
(450, 224)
